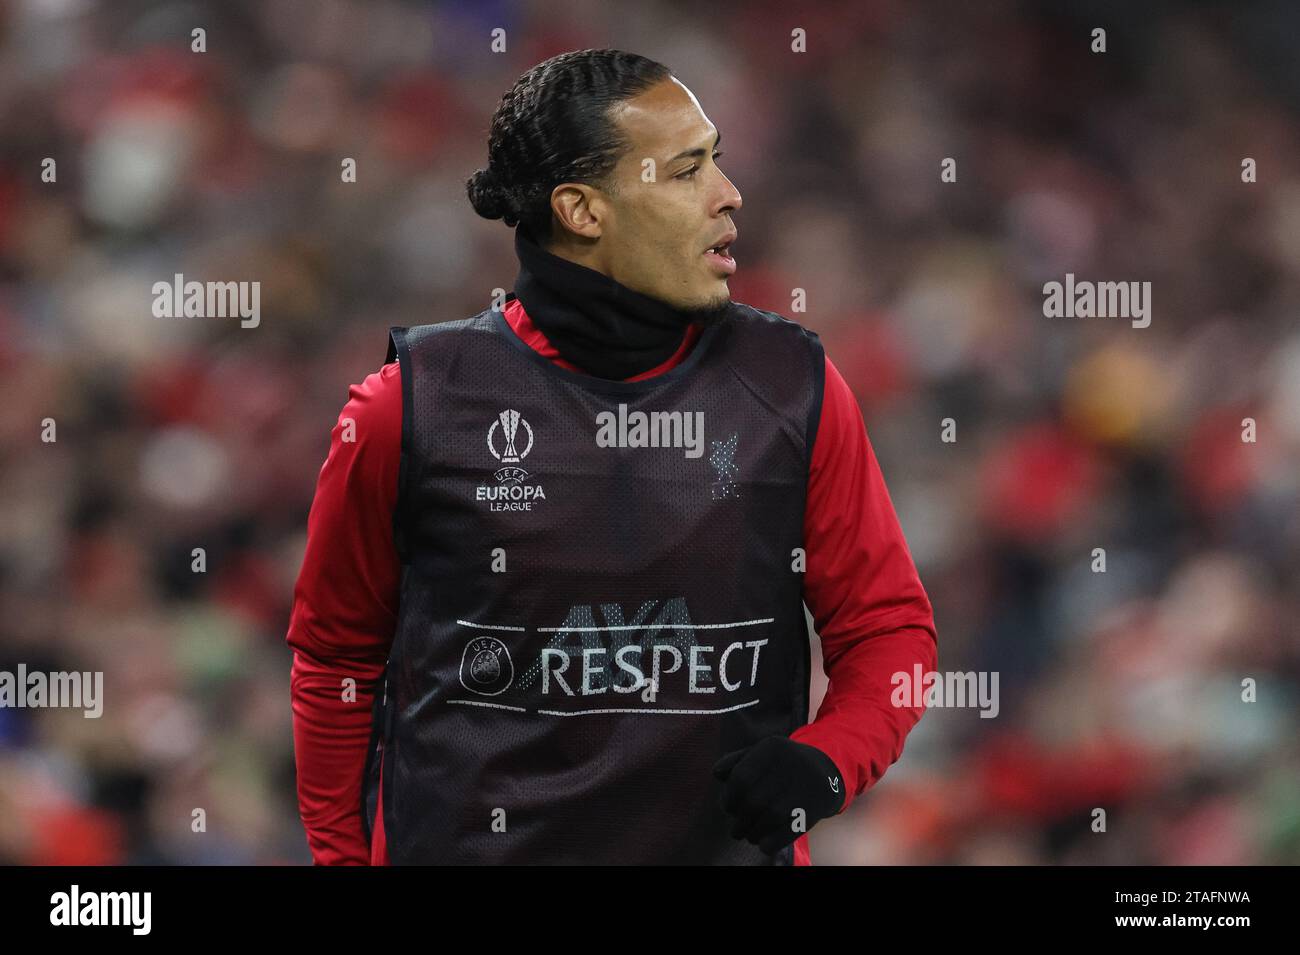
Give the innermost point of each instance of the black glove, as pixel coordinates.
(764, 783)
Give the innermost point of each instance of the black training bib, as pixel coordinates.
(601, 594)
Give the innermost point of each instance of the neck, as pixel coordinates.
(600, 325)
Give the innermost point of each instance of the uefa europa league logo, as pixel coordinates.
(509, 422)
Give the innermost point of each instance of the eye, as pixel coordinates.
(690, 173)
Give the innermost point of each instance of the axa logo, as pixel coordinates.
(511, 492)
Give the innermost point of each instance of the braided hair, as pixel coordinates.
(554, 126)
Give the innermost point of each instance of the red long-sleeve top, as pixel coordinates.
(867, 602)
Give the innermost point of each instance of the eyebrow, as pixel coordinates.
(696, 153)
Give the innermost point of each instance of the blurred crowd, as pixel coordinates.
(1120, 690)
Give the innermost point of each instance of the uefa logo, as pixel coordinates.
(485, 666)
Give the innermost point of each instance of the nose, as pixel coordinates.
(730, 199)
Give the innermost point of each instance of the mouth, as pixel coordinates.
(719, 255)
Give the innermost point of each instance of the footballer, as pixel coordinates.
(552, 606)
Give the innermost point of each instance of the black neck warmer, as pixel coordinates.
(600, 325)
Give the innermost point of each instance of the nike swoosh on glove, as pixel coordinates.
(764, 783)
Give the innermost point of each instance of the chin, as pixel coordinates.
(710, 303)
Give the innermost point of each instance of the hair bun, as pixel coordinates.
(487, 196)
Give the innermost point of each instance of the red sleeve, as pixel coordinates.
(861, 586)
(344, 615)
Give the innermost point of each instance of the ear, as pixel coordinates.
(580, 208)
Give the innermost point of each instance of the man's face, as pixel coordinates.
(655, 233)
